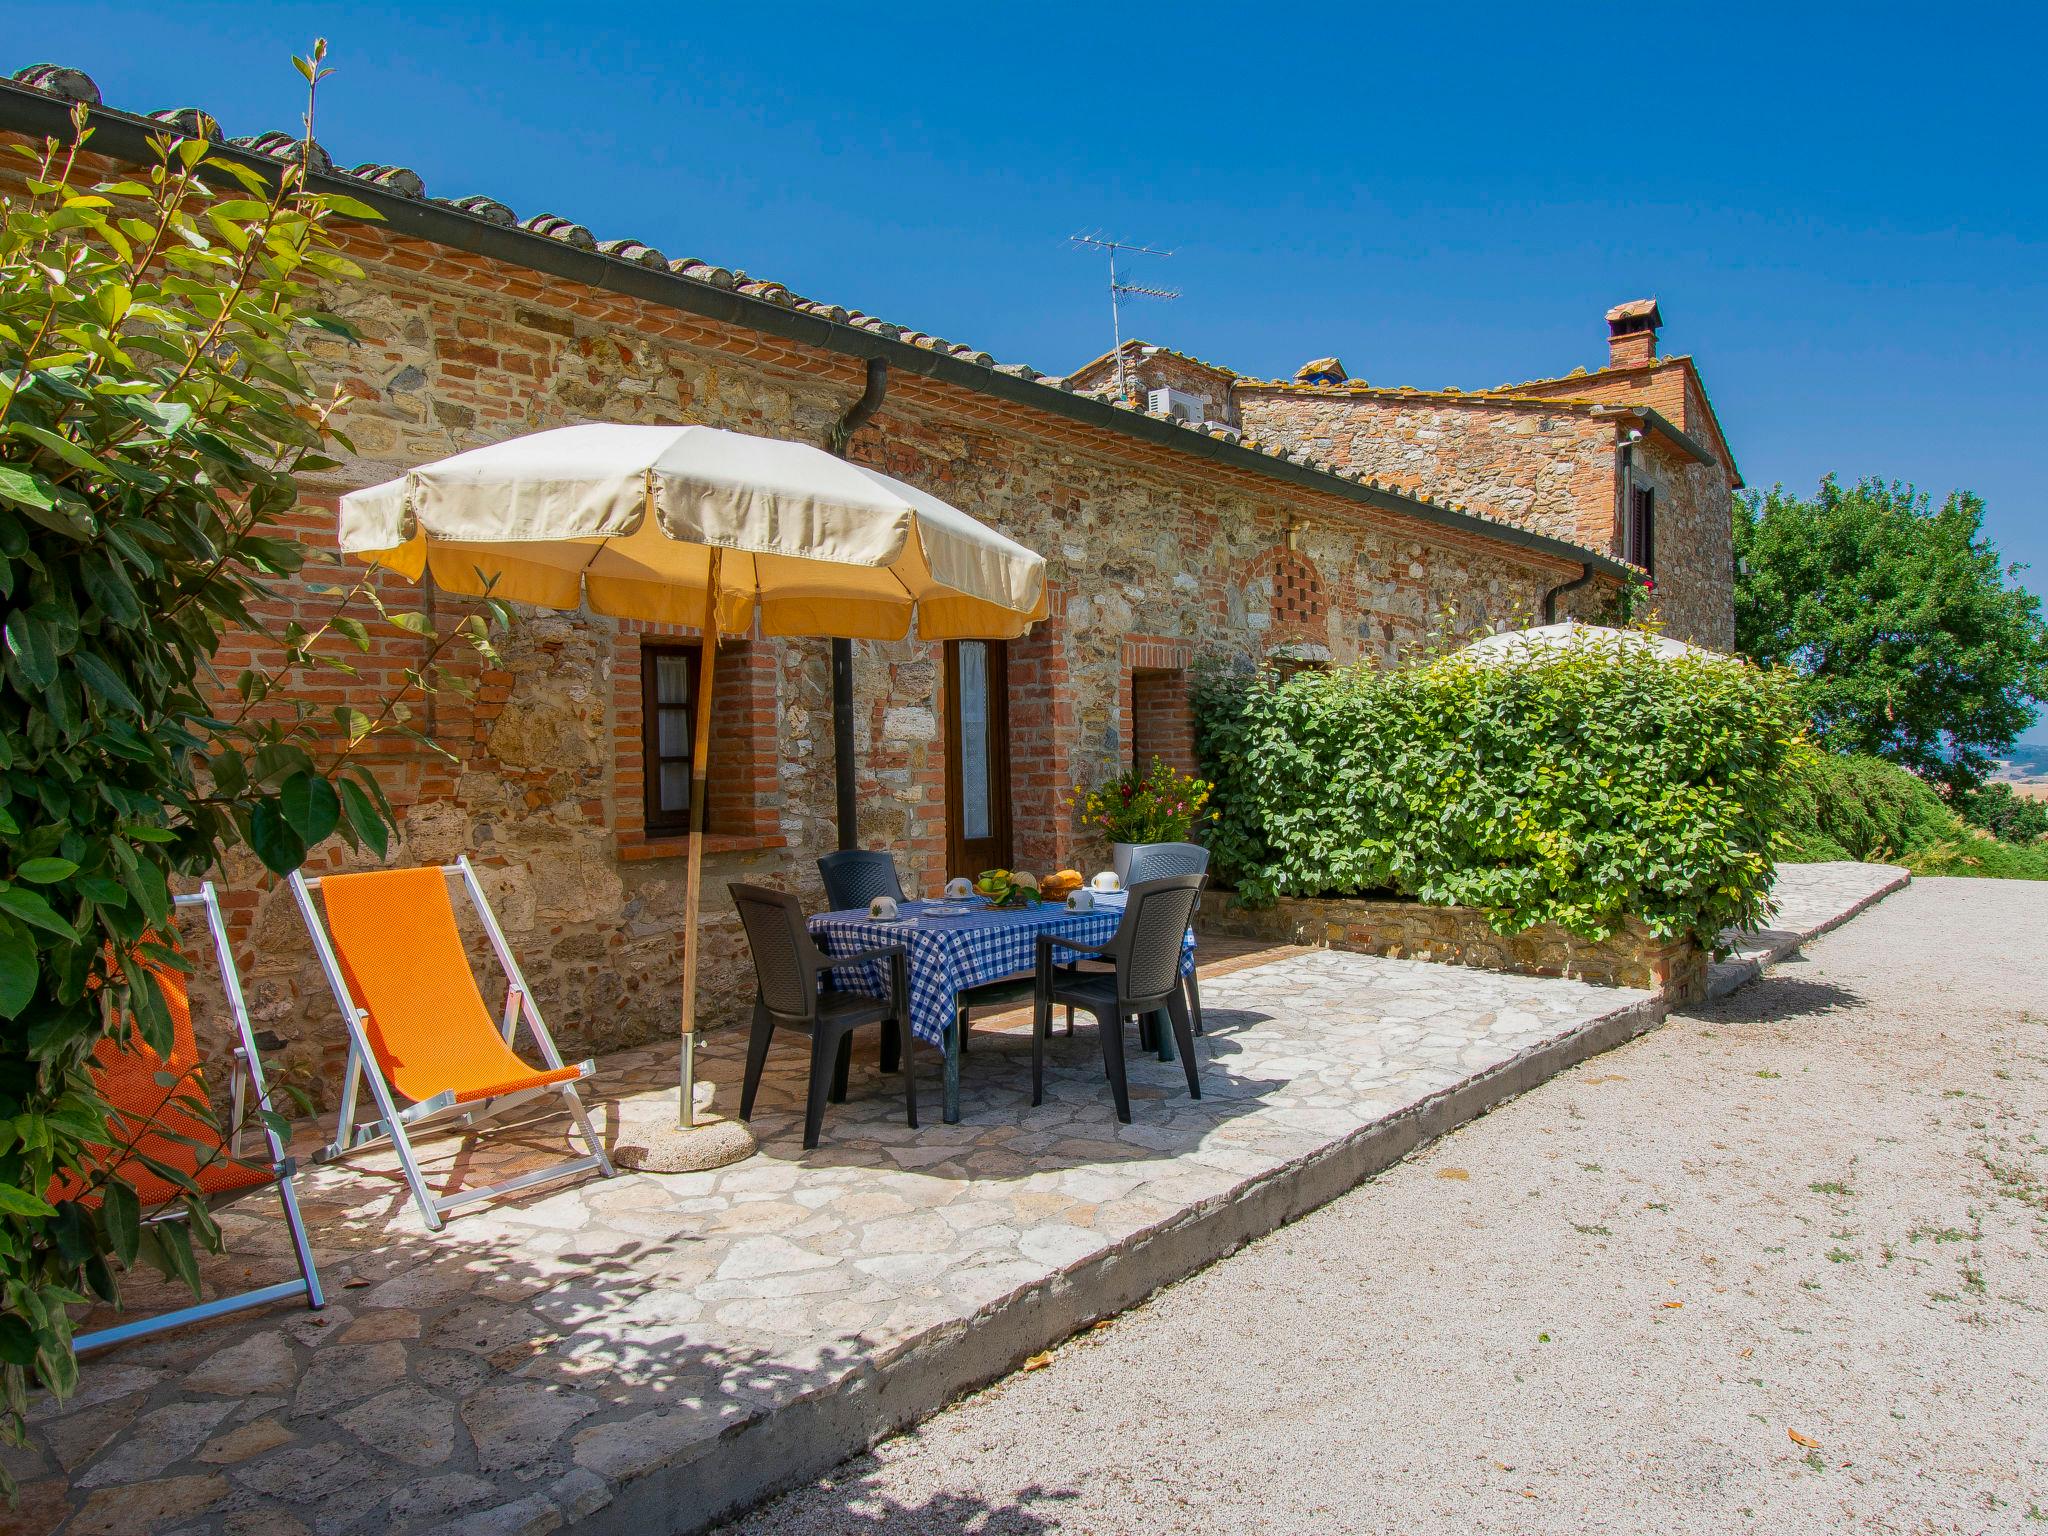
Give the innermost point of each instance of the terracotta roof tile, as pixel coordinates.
(74, 85)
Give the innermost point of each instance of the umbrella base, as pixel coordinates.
(650, 1140)
(669, 1148)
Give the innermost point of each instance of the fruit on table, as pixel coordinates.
(1007, 887)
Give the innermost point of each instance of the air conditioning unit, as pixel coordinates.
(1181, 407)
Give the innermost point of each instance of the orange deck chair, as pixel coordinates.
(152, 1118)
(418, 1026)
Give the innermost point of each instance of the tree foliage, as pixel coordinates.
(1576, 787)
(1915, 642)
(154, 410)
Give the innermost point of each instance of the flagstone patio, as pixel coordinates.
(646, 1353)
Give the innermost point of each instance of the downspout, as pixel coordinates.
(1550, 598)
(856, 417)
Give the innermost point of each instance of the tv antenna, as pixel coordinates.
(1118, 289)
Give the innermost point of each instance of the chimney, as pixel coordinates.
(1320, 370)
(1632, 333)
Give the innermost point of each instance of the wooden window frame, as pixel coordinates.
(1002, 829)
(658, 822)
(1642, 527)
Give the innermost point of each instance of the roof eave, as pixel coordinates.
(124, 136)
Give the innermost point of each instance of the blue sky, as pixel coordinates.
(1842, 208)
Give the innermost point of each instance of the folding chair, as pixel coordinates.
(150, 1121)
(418, 1025)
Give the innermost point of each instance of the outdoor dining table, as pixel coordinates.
(949, 953)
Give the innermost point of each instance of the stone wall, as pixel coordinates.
(1412, 930)
(1549, 470)
(538, 779)
(1695, 543)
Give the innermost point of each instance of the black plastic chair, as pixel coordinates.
(787, 966)
(856, 876)
(1144, 978)
(1153, 861)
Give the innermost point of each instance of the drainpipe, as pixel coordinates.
(857, 416)
(1550, 598)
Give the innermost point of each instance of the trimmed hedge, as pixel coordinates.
(1850, 807)
(1572, 787)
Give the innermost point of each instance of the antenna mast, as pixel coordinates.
(1117, 290)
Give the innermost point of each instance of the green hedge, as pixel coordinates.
(1576, 788)
(1847, 807)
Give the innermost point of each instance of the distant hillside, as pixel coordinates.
(2029, 760)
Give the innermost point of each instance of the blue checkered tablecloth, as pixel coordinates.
(949, 953)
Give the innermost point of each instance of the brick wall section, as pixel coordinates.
(1551, 471)
(537, 783)
(1153, 701)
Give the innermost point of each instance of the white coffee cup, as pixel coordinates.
(1082, 900)
(1107, 881)
(882, 908)
(959, 885)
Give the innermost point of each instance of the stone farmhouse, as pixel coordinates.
(1628, 459)
(1313, 520)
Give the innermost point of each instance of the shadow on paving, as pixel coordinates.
(1778, 997)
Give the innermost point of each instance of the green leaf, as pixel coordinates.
(105, 681)
(369, 827)
(35, 911)
(19, 1202)
(310, 807)
(45, 871)
(271, 836)
(18, 971)
(32, 642)
(122, 1213)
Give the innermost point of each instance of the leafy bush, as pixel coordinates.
(153, 411)
(1850, 807)
(1572, 787)
(2007, 816)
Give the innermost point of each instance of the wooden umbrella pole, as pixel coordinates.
(700, 756)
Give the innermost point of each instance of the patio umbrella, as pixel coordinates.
(1519, 644)
(695, 525)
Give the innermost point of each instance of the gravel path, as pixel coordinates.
(1779, 1267)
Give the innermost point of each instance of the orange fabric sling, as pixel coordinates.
(150, 1113)
(402, 956)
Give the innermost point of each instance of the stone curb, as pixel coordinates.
(1729, 975)
(801, 1440)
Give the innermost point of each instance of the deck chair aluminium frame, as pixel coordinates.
(247, 1072)
(398, 1125)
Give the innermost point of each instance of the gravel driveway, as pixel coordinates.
(1779, 1267)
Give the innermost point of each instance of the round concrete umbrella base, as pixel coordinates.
(650, 1141)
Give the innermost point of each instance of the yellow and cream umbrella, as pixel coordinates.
(695, 525)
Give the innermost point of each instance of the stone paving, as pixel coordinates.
(1811, 898)
(648, 1352)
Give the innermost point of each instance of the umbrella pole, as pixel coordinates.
(700, 755)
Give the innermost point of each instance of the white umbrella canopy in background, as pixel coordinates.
(698, 526)
(1520, 644)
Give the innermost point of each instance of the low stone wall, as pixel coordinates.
(1413, 930)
